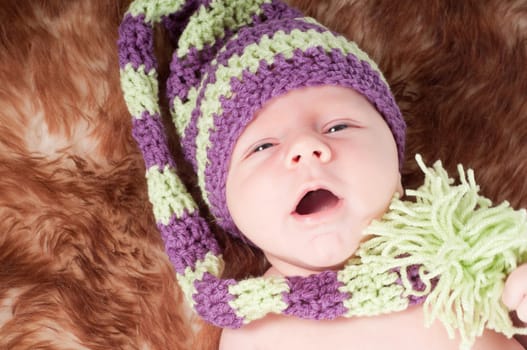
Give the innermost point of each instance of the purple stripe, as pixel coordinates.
(151, 139)
(315, 297)
(187, 71)
(187, 239)
(246, 37)
(276, 10)
(314, 67)
(136, 43)
(212, 302)
(176, 22)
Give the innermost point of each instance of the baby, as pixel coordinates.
(303, 188)
(297, 145)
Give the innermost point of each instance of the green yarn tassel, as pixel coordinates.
(460, 239)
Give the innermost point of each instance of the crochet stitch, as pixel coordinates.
(230, 58)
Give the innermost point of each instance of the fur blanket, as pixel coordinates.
(82, 265)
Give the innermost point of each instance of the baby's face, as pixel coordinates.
(308, 174)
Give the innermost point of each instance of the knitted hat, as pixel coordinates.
(230, 58)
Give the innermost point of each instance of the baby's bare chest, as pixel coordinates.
(402, 330)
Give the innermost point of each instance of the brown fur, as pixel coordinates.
(81, 262)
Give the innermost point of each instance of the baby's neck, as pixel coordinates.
(285, 270)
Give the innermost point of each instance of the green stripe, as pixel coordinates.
(266, 50)
(211, 263)
(140, 90)
(257, 297)
(181, 112)
(168, 194)
(207, 25)
(372, 289)
(154, 9)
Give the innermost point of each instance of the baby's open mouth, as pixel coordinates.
(316, 201)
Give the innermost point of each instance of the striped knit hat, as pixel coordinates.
(230, 57)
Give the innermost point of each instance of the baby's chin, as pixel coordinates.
(330, 255)
(311, 267)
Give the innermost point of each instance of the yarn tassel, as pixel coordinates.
(459, 239)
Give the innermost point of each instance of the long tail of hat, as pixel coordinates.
(189, 243)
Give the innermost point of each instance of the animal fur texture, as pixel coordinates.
(82, 265)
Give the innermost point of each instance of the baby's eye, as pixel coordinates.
(262, 147)
(337, 127)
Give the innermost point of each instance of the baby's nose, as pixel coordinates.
(307, 149)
